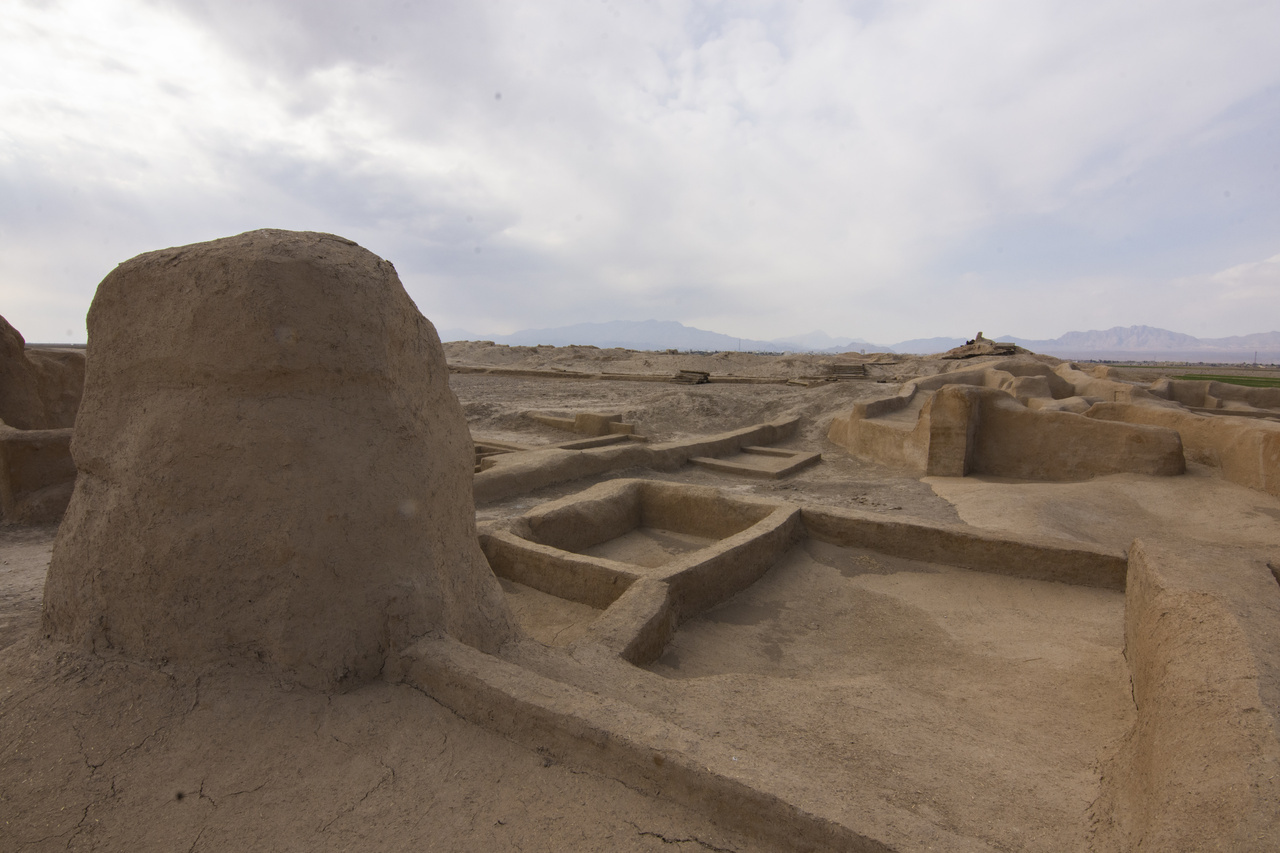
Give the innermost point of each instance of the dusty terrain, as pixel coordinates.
(980, 708)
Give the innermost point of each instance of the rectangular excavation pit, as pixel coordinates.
(650, 547)
(655, 521)
(555, 596)
(906, 679)
(768, 462)
(691, 545)
(979, 701)
(899, 674)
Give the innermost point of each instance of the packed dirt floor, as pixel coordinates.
(980, 706)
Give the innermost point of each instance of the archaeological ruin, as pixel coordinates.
(986, 600)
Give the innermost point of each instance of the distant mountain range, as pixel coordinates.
(1146, 343)
(661, 335)
(1121, 343)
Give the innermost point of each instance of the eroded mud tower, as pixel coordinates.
(271, 465)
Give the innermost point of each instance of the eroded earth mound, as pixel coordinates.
(271, 464)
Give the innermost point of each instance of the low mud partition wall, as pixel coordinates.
(599, 515)
(871, 684)
(970, 548)
(1201, 768)
(645, 751)
(551, 570)
(698, 511)
(611, 510)
(37, 474)
(646, 553)
(518, 473)
(1247, 452)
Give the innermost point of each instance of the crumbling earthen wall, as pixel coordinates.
(1201, 768)
(1247, 450)
(1208, 394)
(40, 393)
(271, 465)
(37, 474)
(977, 421)
(41, 387)
(1011, 440)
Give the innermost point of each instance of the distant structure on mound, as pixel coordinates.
(271, 465)
(982, 346)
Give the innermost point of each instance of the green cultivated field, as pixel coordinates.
(1251, 381)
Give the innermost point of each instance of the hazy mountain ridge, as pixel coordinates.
(628, 334)
(661, 335)
(1121, 342)
(1127, 338)
(925, 346)
(1137, 342)
(1269, 340)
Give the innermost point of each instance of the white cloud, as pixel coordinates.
(1219, 299)
(757, 168)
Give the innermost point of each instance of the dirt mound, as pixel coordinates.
(271, 464)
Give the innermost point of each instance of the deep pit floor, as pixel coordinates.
(978, 701)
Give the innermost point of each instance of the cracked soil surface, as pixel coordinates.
(110, 755)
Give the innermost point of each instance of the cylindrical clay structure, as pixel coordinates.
(271, 464)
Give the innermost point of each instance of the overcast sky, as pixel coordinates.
(881, 170)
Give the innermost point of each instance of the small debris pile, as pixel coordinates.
(692, 377)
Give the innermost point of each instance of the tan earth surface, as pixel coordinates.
(978, 709)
